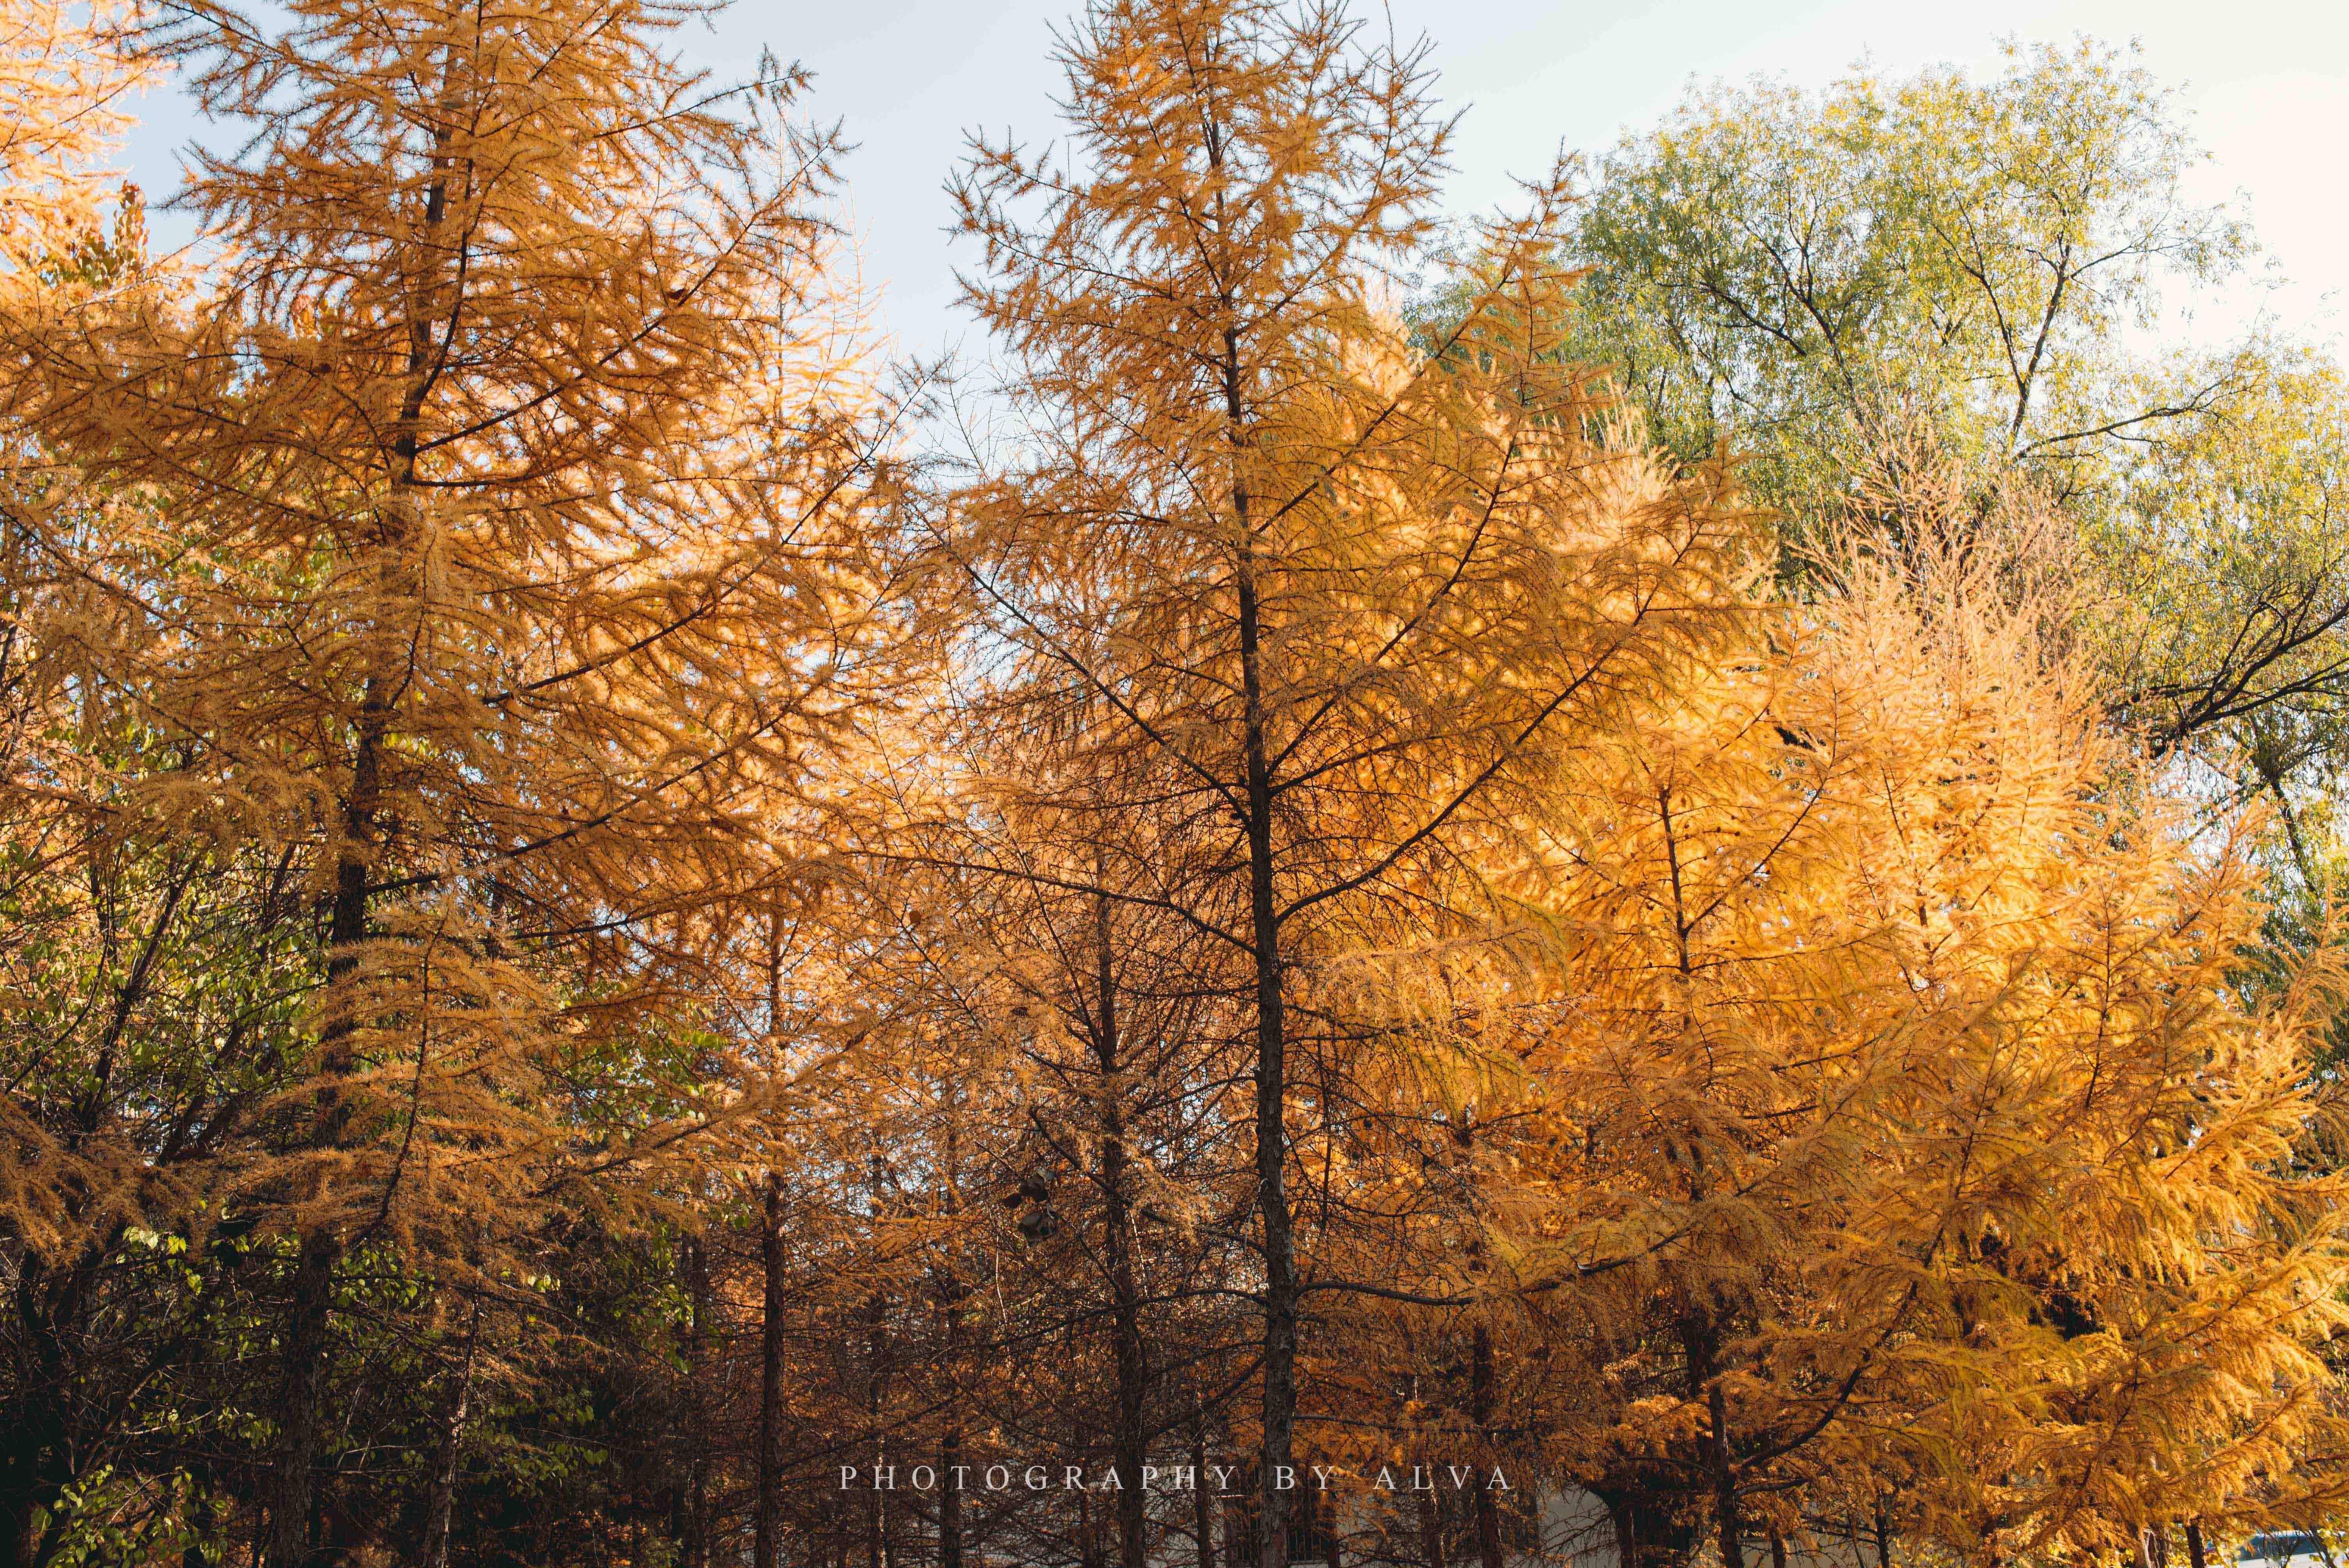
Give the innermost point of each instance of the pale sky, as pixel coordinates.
(2267, 81)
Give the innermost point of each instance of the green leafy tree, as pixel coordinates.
(1954, 305)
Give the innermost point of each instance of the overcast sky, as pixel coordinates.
(2267, 81)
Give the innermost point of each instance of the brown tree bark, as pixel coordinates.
(1480, 1407)
(294, 1453)
(1129, 1441)
(1280, 1294)
(1724, 1476)
(875, 1376)
(1431, 1531)
(1701, 1340)
(442, 1501)
(302, 1406)
(1202, 1509)
(950, 1497)
(695, 1543)
(1627, 1533)
(950, 1296)
(767, 1546)
(1088, 1552)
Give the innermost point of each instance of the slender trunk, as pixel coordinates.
(294, 1457)
(766, 1531)
(1480, 1407)
(697, 1362)
(950, 1297)
(442, 1504)
(1701, 1339)
(877, 1516)
(1777, 1550)
(874, 1523)
(1431, 1532)
(1724, 1479)
(303, 1367)
(950, 1497)
(1203, 1513)
(1627, 1533)
(767, 1486)
(2198, 1553)
(1884, 1534)
(1127, 1443)
(293, 1498)
(303, 1401)
(1281, 1299)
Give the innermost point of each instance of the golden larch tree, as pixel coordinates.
(1895, 1113)
(484, 531)
(1314, 596)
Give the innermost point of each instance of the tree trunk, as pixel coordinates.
(302, 1409)
(1620, 1514)
(1280, 1299)
(1089, 1552)
(1724, 1479)
(950, 1298)
(696, 1543)
(442, 1504)
(294, 1453)
(1128, 1443)
(1480, 1407)
(1701, 1339)
(950, 1497)
(1271, 1096)
(1203, 1513)
(767, 1544)
(2198, 1553)
(1431, 1531)
(877, 1500)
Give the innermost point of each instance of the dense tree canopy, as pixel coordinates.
(1667, 898)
